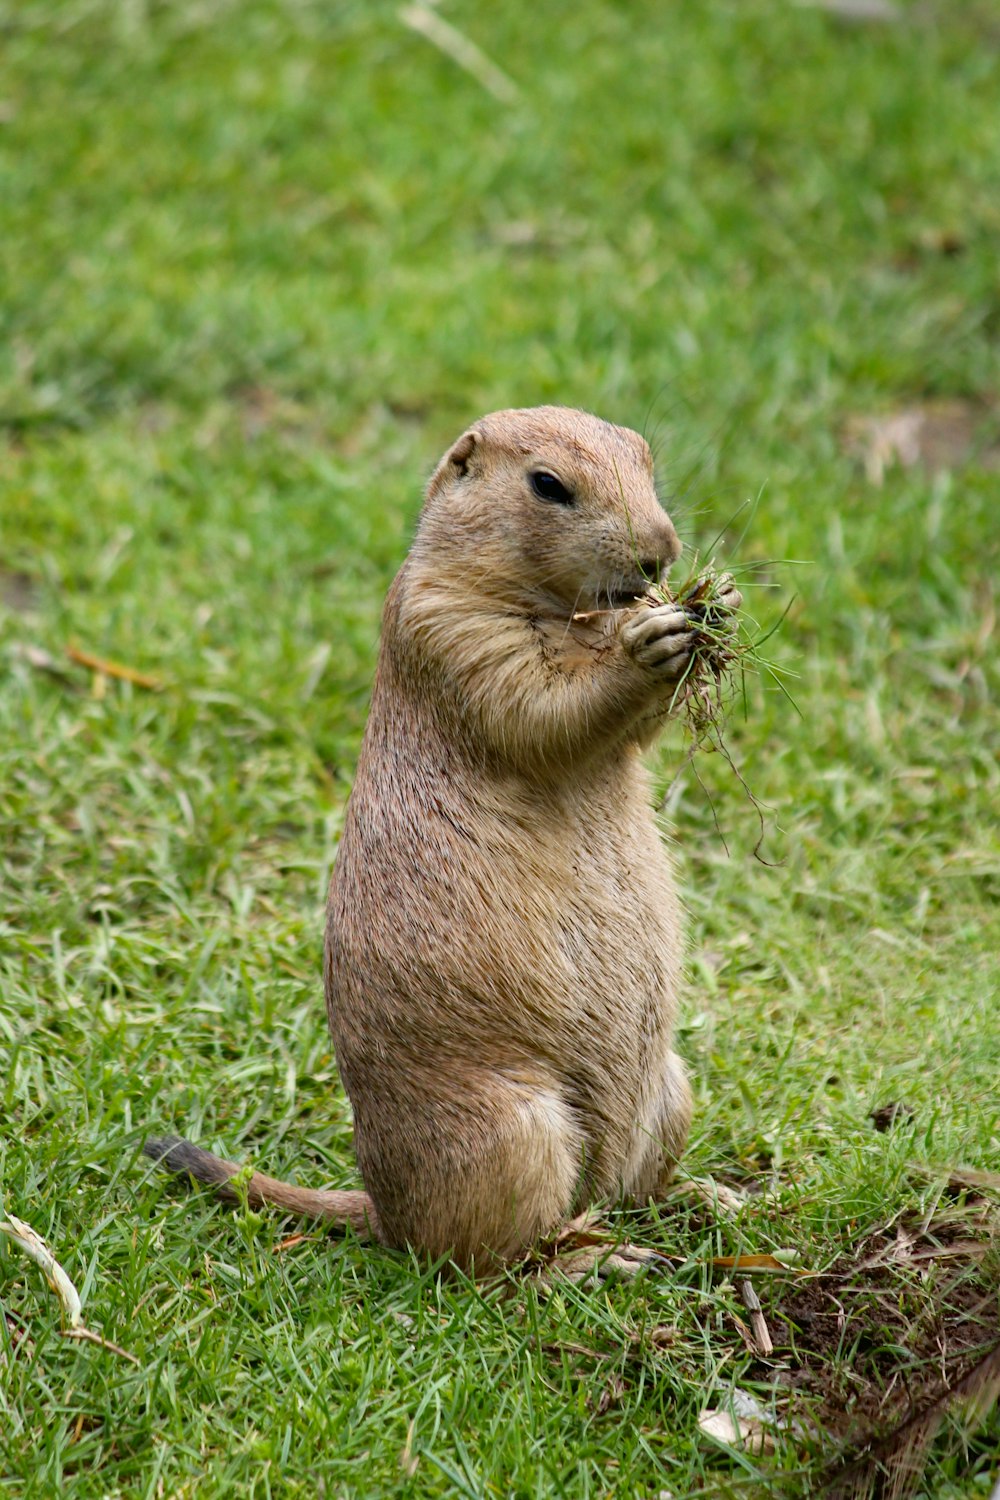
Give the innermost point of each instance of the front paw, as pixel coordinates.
(660, 638)
(730, 598)
(713, 606)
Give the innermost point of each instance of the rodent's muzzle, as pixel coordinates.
(668, 549)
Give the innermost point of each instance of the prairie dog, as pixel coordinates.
(503, 944)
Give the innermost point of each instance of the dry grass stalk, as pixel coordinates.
(758, 1324)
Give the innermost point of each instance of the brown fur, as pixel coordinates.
(503, 942)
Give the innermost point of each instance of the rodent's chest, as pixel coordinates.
(575, 862)
(590, 859)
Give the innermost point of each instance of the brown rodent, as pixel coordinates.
(503, 946)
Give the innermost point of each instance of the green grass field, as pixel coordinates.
(259, 263)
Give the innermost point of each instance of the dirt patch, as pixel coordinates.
(877, 1351)
(888, 1115)
(855, 1371)
(20, 592)
(935, 435)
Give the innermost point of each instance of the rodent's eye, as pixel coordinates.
(548, 487)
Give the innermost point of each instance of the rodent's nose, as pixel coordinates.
(669, 552)
(671, 547)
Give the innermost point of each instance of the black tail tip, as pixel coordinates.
(186, 1160)
(171, 1151)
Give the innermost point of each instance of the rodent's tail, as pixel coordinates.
(354, 1208)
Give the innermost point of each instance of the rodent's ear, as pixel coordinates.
(462, 451)
(455, 463)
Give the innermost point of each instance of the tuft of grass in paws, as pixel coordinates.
(727, 646)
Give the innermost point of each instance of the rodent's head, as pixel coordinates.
(569, 499)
